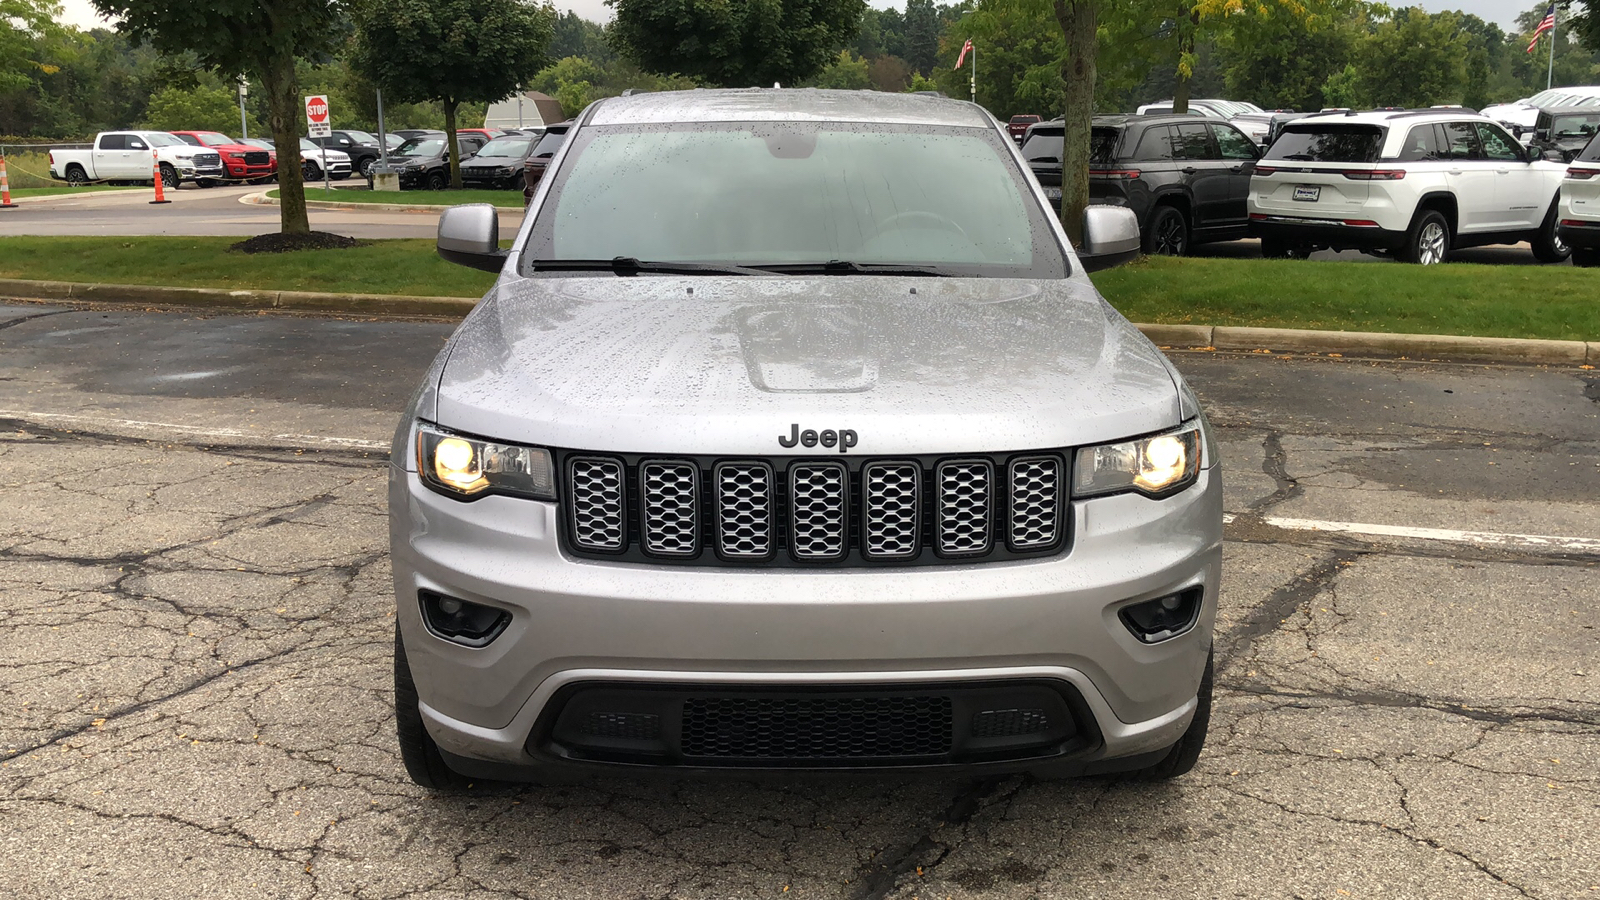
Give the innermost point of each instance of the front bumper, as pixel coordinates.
(1329, 233)
(574, 622)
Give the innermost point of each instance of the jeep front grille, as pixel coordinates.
(598, 504)
(785, 512)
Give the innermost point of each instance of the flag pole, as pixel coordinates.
(1550, 74)
(974, 73)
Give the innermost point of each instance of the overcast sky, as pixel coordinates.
(1502, 12)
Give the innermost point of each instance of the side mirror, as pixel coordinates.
(470, 236)
(1110, 237)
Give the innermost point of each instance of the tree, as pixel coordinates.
(922, 35)
(1413, 59)
(847, 73)
(1282, 61)
(1020, 50)
(452, 51)
(22, 24)
(199, 109)
(735, 43)
(260, 39)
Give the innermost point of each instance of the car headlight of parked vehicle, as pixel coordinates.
(1156, 466)
(468, 467)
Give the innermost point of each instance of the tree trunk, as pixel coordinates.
(1079, 21)
(1180, 93)
(283, 116)
(454, 143)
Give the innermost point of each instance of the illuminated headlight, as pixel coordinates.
(1154, 466)
(470, 467)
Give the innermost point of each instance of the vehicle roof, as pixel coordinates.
(1385, 116)
(786, 105)
(1570, 110)
(1120, 119)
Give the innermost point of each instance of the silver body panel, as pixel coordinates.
(722, 366)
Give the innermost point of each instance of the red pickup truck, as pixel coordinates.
(1018, 126)
(241, 162)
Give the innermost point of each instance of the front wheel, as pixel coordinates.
(437, 182)
(310, 172)
(1168, 234)
(364, 168)
(1428, 240)
(1548, 247)
(169, 177)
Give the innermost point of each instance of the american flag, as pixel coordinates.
(1549, 24)
(967, 48)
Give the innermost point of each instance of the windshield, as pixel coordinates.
(256, 142)
(213, 139)
(361, 137)
(550, 143)
(514, 147)
(420, 147)
(1317, 142)
(797, 194)
(163, 140)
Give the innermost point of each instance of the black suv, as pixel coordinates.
(424, 162)
(361, 147)
(1187, 180)
(1563, 133)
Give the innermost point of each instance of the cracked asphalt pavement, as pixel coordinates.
(195, 626)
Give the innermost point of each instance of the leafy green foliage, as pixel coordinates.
(22, 24)
(452, 51)
(847, 73)
(1020, 50)
(735, 43)
(197, 109)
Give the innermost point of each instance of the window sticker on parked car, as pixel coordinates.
(1308, 194)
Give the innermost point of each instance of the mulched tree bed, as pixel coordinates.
(278, 242)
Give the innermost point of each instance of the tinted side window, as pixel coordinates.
(113, 142)
(1190, 142)
(1422, 144)
(1463, 140)
(1497, 145)
(1233, 144)
(1042, 145)
(1155, 146)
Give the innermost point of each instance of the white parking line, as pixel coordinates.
(1447, 535)
(190, 431)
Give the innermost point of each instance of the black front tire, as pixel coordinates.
(1427, 241)
(1168, 234)
(438, 182)
(364, 168)
(421, 756)
(310, 172)
(169, 178)
(1548, 246)
(1186, 752)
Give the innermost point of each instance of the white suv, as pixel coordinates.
(1417, 184)
(1580, 206)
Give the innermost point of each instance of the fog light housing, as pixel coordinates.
(461, 621)
(1163, 618)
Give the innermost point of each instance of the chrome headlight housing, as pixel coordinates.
(469, 467)
(1156, 466)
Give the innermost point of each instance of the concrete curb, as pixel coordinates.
(301, 301)
(1208, 337)
(261, 199)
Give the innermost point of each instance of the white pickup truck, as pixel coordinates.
(133, 156)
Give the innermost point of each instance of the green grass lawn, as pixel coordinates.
(1558, 302)
(378, 267)
(64, 189)
(509, 199)
(1487, 301)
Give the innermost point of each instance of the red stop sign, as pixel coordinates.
(317, 109)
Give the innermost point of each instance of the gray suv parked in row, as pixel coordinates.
(793, 435)
(1186, 179)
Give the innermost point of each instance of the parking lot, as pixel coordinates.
(196, 663)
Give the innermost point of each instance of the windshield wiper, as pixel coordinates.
(629, 265)
(846, 267)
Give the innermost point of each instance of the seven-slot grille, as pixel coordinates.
(206, 160)
(811, 511)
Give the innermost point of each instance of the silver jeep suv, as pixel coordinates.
(794, 436)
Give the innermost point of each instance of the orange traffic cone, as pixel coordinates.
(5, 187)
(161, 196)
